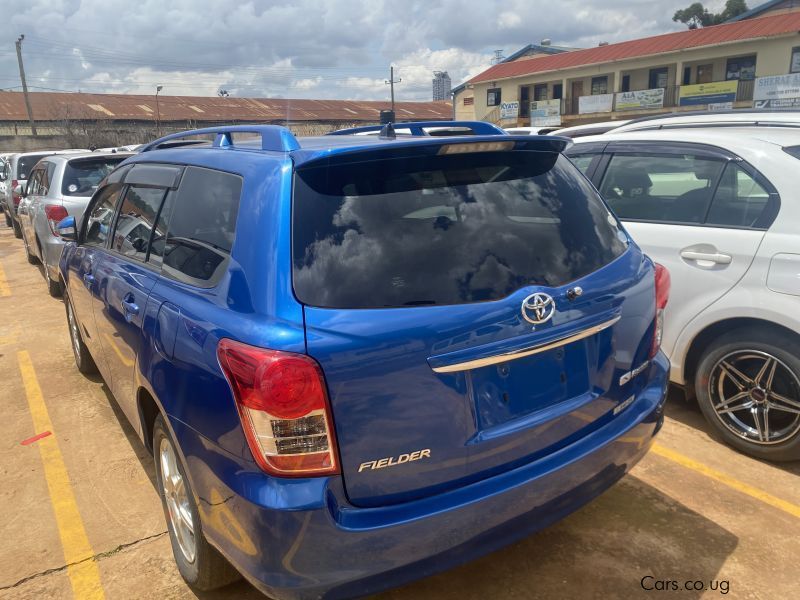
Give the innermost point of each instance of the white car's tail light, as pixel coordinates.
(662, 297)
(283, 407)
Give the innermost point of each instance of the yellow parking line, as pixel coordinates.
(84, 574)
(739, 486)
(5, 291)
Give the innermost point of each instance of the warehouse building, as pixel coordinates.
(734, 65)
(80, 120)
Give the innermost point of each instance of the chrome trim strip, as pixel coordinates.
(507, 356)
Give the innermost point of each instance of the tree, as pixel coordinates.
(696, 15)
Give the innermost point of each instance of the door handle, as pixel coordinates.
(715, 257)
(129, 307)
(88, 280)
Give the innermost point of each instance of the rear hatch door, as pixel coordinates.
(441, 300)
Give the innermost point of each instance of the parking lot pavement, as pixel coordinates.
(81, 516)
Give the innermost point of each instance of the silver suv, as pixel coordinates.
(60, 185)
(16, 175)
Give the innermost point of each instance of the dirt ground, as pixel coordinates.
(692, 511)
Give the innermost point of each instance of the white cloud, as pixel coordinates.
(297, 48)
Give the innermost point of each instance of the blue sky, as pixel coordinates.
(300, 49)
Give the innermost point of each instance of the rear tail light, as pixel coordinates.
(15, 196)
(662, 297)
(283, 407)
(55, 213)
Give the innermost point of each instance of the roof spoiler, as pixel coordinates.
(417, 128)
(273, 137)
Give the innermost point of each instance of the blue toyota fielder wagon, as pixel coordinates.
(361, 359)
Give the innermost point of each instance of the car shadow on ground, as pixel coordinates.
(686, 410)
(142, 453)
(630, 537)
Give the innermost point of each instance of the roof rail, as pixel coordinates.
(771, 116)
(273, 137)
(417, 128)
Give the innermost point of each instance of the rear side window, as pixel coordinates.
(583, 161)
(445, 230)
(675, 188)
(81, 177)
(137, 215)
(740, 200)
(201, 227)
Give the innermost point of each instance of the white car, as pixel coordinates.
(719, 206)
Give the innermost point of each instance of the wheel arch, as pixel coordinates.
(149, 409)
(706, 337)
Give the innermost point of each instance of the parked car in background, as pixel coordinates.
(577, 131)
(530, 130)
(371, 357)
(59, 185)
(19, 166)
(5, 170)
(719, 207)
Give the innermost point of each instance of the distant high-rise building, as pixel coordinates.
(441, 85)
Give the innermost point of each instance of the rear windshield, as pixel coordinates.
(81, 177)
(26, 163)
(445, 230)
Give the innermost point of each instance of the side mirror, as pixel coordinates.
(67, 229)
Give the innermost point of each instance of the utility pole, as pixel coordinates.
(390, 82)
(158, 111)
(24, 83)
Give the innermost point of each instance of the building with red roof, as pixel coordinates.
(684, 70)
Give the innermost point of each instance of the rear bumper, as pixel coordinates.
(302, 539)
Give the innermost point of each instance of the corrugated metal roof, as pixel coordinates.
(55, 106)
(659, 44)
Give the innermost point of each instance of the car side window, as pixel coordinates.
(740, 199)
(100, 217)
(583, 161)
(45, 178)
(674, 188)
(33, 183)
(201, 227)
(135, 221)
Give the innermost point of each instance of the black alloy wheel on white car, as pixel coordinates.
(748, 387)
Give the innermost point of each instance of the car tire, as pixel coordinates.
(54, 287)
(17, 229)
(748, 387)
(32, 260)
(200, 564)
(83, 359)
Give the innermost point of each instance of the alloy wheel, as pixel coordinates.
(176, 497)
(756, 396)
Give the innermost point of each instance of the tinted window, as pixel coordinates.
(34, 182)
(582, 161)
(137, 214)
(652, 187)
(26, 163)
(81, 177)
(445, 230)
(100, 217)
(202, 226)
(739, 200)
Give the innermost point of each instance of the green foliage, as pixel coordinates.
(696, 15)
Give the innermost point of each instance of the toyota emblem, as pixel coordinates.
(538, 308)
